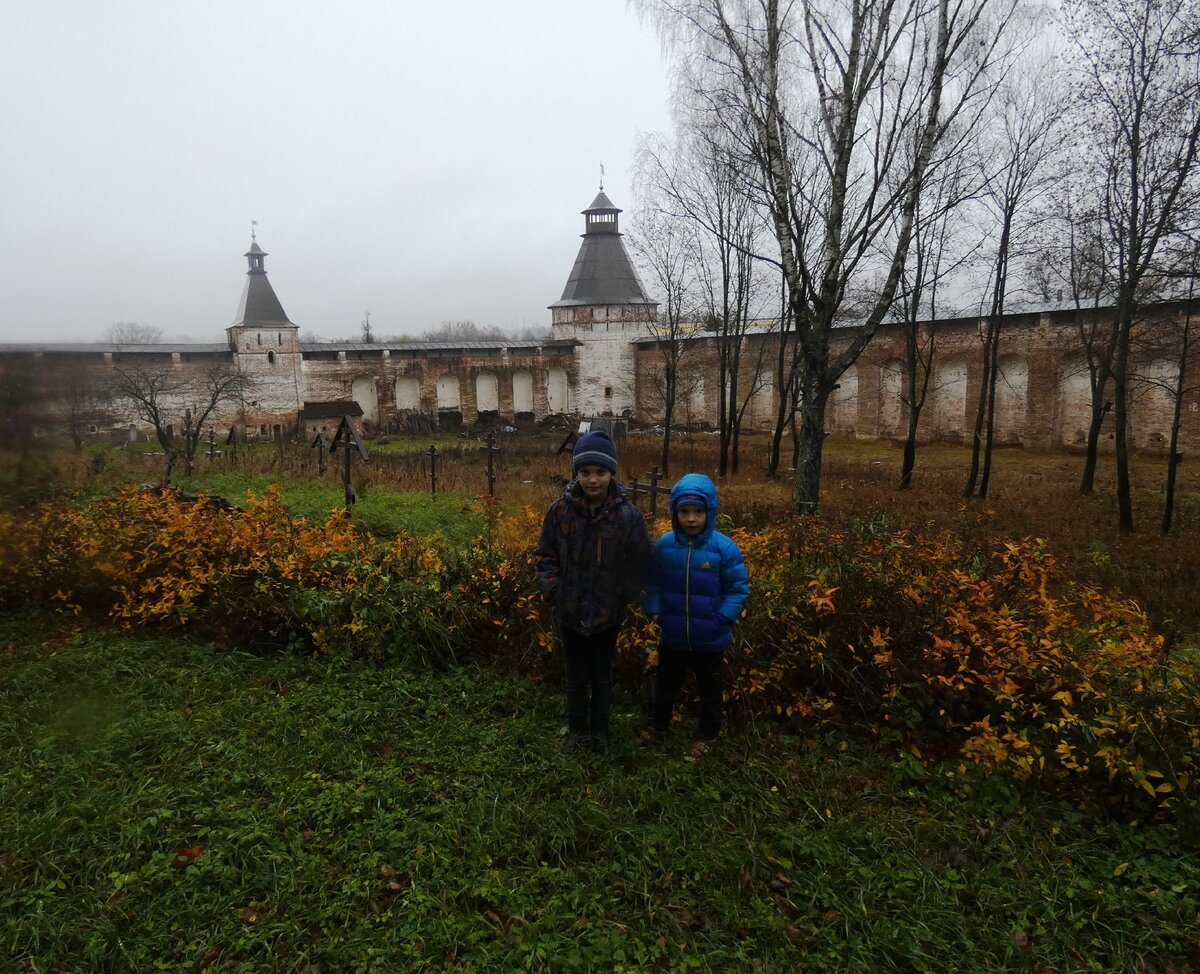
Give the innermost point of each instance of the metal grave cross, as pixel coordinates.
(346, 439)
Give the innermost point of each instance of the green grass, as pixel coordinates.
(384, 510)
(361, 819)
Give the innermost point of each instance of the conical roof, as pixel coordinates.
(601, 203)
(259, 304)
(602, 273)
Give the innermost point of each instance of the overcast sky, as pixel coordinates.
(424, 160)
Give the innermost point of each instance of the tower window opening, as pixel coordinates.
(260, 338)
(608, 392)
(279, 338)
(270, 358)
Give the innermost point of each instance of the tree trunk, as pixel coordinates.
(668, 418)
(1087, 483)
(806, 485)
(990, 422)
(1172, 471)
(1177, 416)
(980, 413)
(1121, 411)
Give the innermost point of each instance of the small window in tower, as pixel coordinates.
(260, 338)
(92, 428)
(608, 392)
(270, 358)
(279, 338)
(262, 430)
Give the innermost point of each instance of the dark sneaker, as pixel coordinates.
(599, 743)
(571, 744)
(651, 737)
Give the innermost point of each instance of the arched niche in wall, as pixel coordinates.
(697, 400)
(843, 403)
(522, 391)
(447, 391)
(891, 398)
(1012, 398)
(487, 393)
(761, 411)
(1153, 403)
(950, 398)
(362, 391)
(408, 392)
(558, 390)
(1074, 402)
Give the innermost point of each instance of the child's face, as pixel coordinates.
(594, 481)
(692, 518)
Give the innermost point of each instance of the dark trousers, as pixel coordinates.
(589, 666)
(673, 665)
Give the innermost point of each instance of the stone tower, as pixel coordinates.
(603, 307)
(266, 346)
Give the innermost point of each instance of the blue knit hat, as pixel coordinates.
(595, 449)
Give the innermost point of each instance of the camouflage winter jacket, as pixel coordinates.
(591, 567)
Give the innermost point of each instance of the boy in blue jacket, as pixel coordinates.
(698, 588)
(591, 560)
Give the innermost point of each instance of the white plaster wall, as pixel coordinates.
(487, 393)
(408, 392)
(1012, 398)
(891, 401)
(362, 390)
(761, 411)
(843, 403)
(558, 390)
(522, 391)
(606, 360)
(950, 394)
(1074, 402)
(447, 391)
(1154, 403)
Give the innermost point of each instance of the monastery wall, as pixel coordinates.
(1043, 397)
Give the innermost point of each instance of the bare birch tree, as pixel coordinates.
(1016, 159)
(824, 96)
(665, 247)
(1139, 96)
(933, 258)
(700, 179)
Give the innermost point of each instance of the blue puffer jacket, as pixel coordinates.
(699, 585)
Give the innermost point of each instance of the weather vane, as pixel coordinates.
(602, 177)
(254, 223)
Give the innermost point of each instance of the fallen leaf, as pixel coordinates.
(186, 855)
(794, 935)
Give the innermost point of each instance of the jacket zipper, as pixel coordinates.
(687, 596)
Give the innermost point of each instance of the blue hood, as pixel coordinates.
(698, 484)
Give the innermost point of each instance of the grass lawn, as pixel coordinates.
(165, 806)
(383, 510)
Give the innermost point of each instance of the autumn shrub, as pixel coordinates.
(994, 654)
(985, 654)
